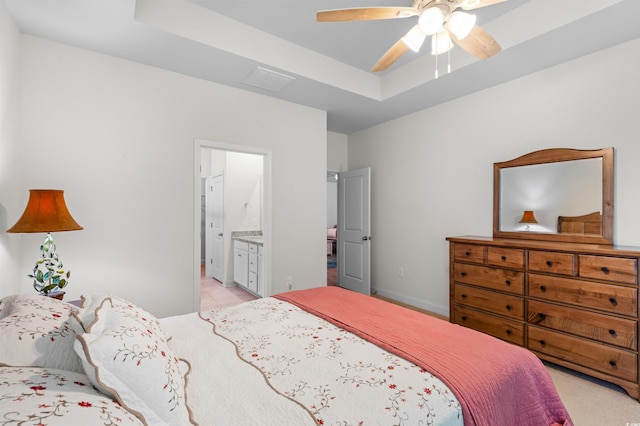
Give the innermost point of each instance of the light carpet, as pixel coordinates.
(593, 402)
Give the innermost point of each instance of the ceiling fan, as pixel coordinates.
(437, 18)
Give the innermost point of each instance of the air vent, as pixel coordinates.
(268, 79)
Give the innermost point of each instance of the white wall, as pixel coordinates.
(118, 137)
(243, 192)
(11, 198)
(435, 179)
(337, 152)
(337, 161)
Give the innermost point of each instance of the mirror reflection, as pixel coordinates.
(534, 197)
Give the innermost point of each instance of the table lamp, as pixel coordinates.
(47, 212)
(527, 218)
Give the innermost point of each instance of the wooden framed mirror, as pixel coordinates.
(555, 195)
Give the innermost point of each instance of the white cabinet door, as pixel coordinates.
(260, 272)
(241, 264)
(253, 271)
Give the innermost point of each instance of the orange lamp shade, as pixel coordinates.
(528, 217)
(46, 211)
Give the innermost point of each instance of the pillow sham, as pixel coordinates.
(126, 358)
(35, 331)
(90, 302)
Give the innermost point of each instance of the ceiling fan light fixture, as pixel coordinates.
(441, 42)
(460, 24)
(470, 3)
(431, 20)
(414, 38)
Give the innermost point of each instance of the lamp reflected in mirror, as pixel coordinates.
(527, 218)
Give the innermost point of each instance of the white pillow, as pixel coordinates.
(91, 302)
(130, 360)
(35, 332)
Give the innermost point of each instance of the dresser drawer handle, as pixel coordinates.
(464, 296)
(549, 263)
(463, 274)
(613, 301)
(504, 258)
(508, 332)
(604, 270)
(543, 288)
(508, 307)
(508, 282)
(612, 332)
(542, 316)
(612, 363)
(463, 318)
(467, 253)
(543, 343)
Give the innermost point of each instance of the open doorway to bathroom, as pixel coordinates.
(233, 194)
(332, 228)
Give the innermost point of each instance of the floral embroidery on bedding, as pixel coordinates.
(329, 370)
(35, 331)
(39, 396)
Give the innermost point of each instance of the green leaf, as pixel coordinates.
(63, 283)
(39, 276)
(48, 288)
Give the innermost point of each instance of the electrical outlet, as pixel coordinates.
(289, 283)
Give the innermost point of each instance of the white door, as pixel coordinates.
(214, 232)
(354, 239)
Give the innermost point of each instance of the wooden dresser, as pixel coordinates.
(575, 305)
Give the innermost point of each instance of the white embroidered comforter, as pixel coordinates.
(277, 364)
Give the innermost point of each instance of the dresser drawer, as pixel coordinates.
(603, 358)
(494, 278)
(552, 262)
(619, 269)
(469, 253)
(508, 258)
(501, 304)
(606, 297)
(604, 328)
(500, 327)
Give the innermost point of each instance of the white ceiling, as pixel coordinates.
(225, 40)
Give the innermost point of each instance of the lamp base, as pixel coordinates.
(55, 295)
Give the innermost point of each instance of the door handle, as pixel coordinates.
(366, 238)
(220, 235)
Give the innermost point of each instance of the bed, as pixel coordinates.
(585, 224)
(324, 356)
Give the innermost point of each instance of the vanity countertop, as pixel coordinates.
(253, 237)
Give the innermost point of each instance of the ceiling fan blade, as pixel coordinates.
(365, 14)
(476, 4)
(393, 54)
(478, 43)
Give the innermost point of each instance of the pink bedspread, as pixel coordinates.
(497, 383)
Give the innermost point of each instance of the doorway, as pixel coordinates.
(241, 178)
(349, 207)
(332, 226)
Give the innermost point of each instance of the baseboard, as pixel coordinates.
(427, 306)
